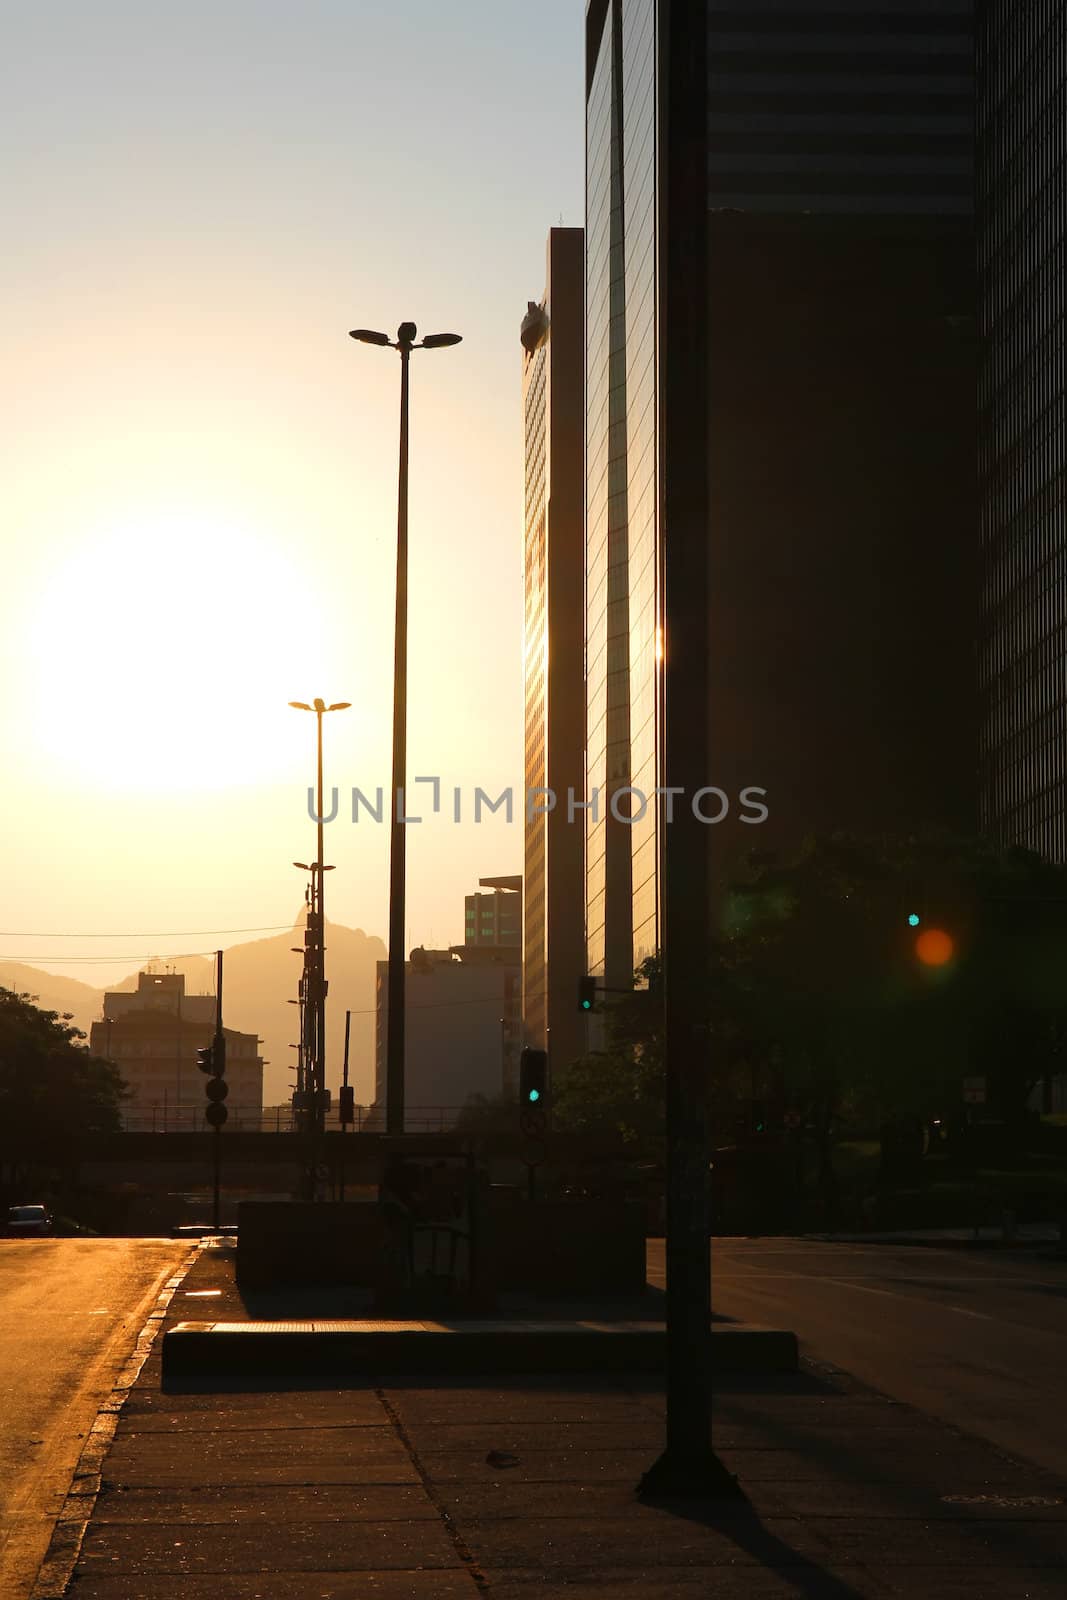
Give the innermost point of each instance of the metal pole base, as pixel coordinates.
(675, 1476)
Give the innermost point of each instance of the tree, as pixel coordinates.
(619, 1089)
(834, 993)
(50, 1086)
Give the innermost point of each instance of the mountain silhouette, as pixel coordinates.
(259, 979)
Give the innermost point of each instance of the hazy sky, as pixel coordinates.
(198, 467)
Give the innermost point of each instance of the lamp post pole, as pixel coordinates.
(394, 1049)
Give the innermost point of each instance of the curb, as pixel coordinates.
(64, 1547)
(359, 1350)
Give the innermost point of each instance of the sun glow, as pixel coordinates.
(161, 656)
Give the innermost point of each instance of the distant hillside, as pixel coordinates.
(52, 993)
(259, 979)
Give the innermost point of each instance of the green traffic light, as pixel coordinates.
(535, 1094)
(913, 919)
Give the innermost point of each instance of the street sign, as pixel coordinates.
(533, 1152)
(532, 1122)
(974, 1091)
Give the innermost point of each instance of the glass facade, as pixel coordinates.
(840, 401)
(600, 223)
(553, 414)
(622, 589)
(535, 931)
(1022, 201)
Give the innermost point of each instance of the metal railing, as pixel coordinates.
(281, 1119)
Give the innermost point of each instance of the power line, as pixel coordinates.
(96, 961)
(181, 933)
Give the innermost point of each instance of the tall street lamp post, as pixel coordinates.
(317, 927)
(394, 1057)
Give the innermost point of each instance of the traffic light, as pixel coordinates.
(586, 993)
(211, 1059)
(347, 1104)
(913, 919)
(533, 1092)
(533, 1078)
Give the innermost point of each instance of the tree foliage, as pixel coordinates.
(838, 1004)
(619, 1089)
(817, 1001)
(50, 1085)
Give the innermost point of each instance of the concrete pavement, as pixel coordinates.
(70, 1312)
(973, 1337)
(524, 1487)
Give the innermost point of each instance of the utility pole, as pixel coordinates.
(218, 1056)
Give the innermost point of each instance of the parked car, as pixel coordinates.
(28, 1222)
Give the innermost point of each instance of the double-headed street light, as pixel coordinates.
(317, 927)
(404, 342)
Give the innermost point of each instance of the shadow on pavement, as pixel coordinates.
(741, 1523)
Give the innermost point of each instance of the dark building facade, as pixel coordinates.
(836, 318)
(1022, 216)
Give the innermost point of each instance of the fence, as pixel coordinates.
(281, 1119)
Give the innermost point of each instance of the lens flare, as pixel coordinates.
(934, 947)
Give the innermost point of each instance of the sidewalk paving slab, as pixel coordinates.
(407, 1487)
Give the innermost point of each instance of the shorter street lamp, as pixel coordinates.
(317, 998)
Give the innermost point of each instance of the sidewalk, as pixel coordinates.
(511, 1489)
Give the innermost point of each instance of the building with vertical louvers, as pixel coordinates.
(1022, 215)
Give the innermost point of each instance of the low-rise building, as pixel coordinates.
(152, 1034)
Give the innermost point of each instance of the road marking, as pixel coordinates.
(911, 1299)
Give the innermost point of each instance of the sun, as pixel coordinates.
(162, 654)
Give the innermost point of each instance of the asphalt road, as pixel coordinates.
(70, 1313)
(976, 1338)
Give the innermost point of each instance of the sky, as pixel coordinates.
(198, 467)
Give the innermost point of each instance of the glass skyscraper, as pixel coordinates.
(837, 317)
(622, 488)
(554, 911)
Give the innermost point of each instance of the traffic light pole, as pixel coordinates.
(688, 1464)
(344, 1108)
(219, 1049)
